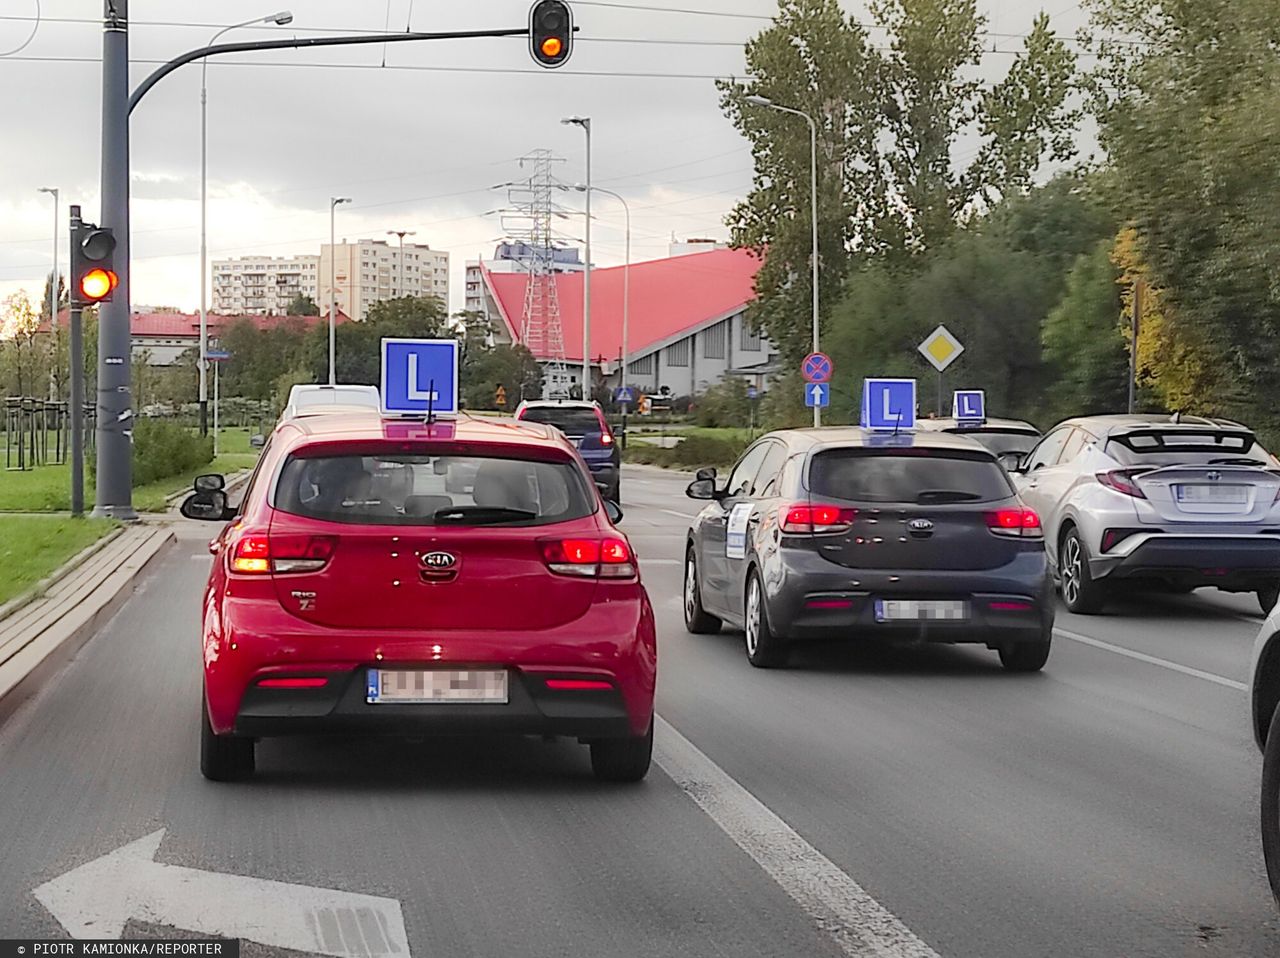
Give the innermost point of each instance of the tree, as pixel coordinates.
(514, 368)
(358, 350)
(19, 324)
(890, 181)
(1084, 348)
(63, 301)
(1186, 107)
(303, 305)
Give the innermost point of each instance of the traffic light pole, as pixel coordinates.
(77, 379)
(114, 493)
(115, 413)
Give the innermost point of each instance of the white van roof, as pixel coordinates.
(310, 400)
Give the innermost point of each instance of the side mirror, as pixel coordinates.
(1012, 461)
(209, 506)
(708, 473)
(257, 441)
(613, 511)
(703, 489)
(210, 482)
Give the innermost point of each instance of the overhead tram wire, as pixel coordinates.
(35, 28)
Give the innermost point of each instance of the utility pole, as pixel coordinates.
(1133, 347)
(114, 493)
(402, 234)
(333, 288)
(77, 384)
(585, 123)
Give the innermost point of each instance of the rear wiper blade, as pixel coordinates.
(1237, 461)
(946, 495)
(482, 515)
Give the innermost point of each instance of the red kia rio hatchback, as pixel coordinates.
(351, 591)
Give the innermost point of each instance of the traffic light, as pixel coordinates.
(93, 275)
(550, 32)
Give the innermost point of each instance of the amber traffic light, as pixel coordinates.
(97, 284)
(550, 32)
(93, 274)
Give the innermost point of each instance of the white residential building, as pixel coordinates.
(371, 271)
(262, 285)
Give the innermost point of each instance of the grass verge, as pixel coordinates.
(32, 547)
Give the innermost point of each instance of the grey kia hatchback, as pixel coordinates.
(841, 533)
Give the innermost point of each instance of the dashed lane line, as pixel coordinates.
(1152, 660)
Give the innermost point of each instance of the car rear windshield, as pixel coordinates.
(432, 490)
(571, 421)
(918, 476)
(1001, 440)
(1169, 447)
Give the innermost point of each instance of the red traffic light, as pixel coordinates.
(550, 32)
(97, 284)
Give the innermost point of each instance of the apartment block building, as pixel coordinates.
(262, 285)
(366, 272)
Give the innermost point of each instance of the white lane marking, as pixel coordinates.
(859, 924)
(97, 899)
(678, 515)
(644, 561)
(1152, 660)
(199, 558)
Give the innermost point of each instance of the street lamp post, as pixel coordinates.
(626, 292)
(333, 284)
(813, 173)
(277, 18)
(585, 123)
(402, 234)
(53, 283)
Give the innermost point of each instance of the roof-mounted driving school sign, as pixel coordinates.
(888, 405)
(419, 377)
(970, 405)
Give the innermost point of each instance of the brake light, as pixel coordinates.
(816, 519)
(1011, 607)
(590, 558)
(257, 554)
(300, 682)
(1121, 480)
(578, 685)
(606, 438)
(1021, 522)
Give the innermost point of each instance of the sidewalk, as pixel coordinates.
(38, 636)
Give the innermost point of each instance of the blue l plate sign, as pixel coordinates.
(419, 374)
(889, 404)
(970, 405)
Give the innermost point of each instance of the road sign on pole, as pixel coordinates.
(420, 377)
(941, 348)
(817, 395)
(624, 394)
(816, 368)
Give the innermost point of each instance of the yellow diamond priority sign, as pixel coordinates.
(941, 348)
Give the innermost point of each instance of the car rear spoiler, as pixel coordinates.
(1213, 440)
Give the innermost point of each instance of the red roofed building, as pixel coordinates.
(166, 336)
(687, 324)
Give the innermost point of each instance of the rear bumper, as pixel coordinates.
(253, 639)
(604, 470)
(1240, 562)
(341, 706)
(812, 599)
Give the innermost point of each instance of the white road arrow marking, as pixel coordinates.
(415, 393)
(96, 899)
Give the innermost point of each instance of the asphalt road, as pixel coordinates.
(923, 800)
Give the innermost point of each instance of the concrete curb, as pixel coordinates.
(51, 629)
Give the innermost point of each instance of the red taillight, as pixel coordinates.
(594, 558)
(1011, 607)
(816, 519)
(1015, 522)
(257, 554)
(606, 438)
(578, 685)
(829, 604)
(1121, 480)
(293, 683)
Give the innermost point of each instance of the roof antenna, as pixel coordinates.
(897, 421)
(431, 402)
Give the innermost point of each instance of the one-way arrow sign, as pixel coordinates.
(98, 898)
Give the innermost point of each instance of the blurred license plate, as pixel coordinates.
(1218, 494)
(897, 610)
(425, 686)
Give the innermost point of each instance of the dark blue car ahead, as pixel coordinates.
(586, 427)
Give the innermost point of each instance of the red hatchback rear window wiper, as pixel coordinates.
(481, 515)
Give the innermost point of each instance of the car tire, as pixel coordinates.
(615, 493)
(1025, 656)
(1082, 594)
(765, 650)
(1271, 805)
(697, 620)
(1267, 599)
(622, 759)
(223, 758)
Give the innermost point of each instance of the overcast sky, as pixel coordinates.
(417, 145)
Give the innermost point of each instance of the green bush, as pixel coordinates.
(162, 449)
(724, 404)
(692, 453)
